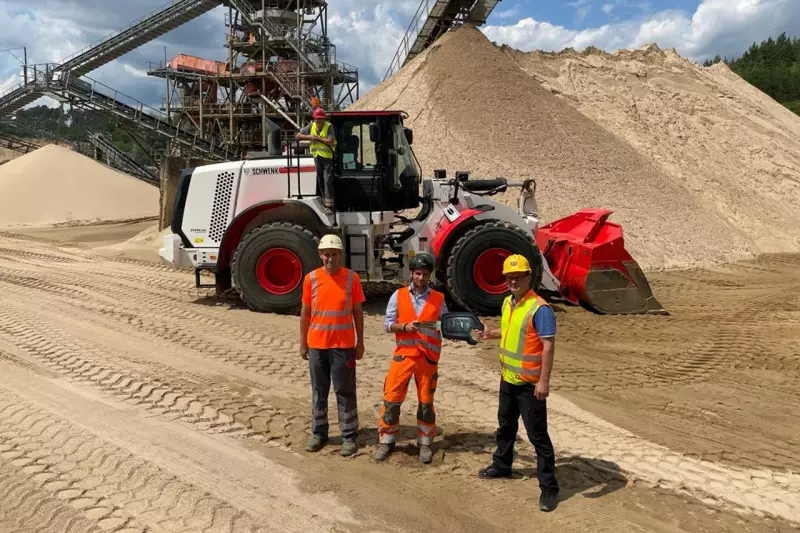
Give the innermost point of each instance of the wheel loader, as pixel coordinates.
(256, 223)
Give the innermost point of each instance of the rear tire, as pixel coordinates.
(474, 278)
(270, 264)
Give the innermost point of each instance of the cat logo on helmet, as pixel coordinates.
(516, 263)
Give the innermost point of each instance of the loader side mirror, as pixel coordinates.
(374, 132)
(458, 326)
(409, 135)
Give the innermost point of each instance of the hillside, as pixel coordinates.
(492, 111)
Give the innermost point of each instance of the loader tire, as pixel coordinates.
(269, 266)
(482, 249)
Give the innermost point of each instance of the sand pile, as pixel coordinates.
(54, 185)
(143, 246)
(729, 144)
(474, 108)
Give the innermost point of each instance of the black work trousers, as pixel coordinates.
(337, 365)
(516, 401)
(325, 189)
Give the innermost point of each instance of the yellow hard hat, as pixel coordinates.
(330, 242)
(516, 263)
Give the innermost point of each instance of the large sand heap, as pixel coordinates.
(54, 185)
(474, 108)
(731, 145)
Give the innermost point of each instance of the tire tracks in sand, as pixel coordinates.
(468, 398)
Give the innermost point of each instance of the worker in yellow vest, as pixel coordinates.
(527, 348)
(323, 144)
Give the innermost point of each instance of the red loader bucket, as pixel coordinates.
(587, 254)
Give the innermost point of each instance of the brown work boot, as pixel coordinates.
(315, 443)
(349, 447)
(425, 453)
(383, 451)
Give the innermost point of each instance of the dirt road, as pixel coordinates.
(131, 402)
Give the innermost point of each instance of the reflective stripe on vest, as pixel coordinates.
(521, 348)
(321, 149)
(325, 317)
(425, 341)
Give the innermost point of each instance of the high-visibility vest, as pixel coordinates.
(319, 149)
(520, 347)
(332, 324)
(425, 341)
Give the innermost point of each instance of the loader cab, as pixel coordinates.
(374, 166)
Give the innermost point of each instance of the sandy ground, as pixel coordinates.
(131, 401)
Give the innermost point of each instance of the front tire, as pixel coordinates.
(475, 278)
(270, 264)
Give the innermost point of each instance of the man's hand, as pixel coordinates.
(304, 351)
(411, 327)
(359, 351)
(542, 390)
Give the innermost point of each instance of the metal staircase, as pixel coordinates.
(94, 96)
(116, 158)
(11, 142)
(273, 30)
(434, 18)
(144, 30)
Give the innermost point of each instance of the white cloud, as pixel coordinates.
(725, 27)
(608, 8)
(508, 13)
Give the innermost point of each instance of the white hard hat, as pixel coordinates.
(330, 241)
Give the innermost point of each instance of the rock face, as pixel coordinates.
(612, 131)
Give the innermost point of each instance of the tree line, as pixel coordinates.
(773, 66)
(48, 123)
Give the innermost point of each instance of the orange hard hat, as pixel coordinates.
(319, 113)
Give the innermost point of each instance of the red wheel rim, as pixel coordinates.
(488, 271)
(279, 271)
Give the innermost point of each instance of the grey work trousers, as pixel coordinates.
(325, 180)
(338, 365)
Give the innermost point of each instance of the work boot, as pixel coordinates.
(383, 451)
(492, 472)
(548, 500)
(315, 443)
(349, 447)
(425, 453)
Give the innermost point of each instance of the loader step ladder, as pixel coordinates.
(361, 243)
(432, 20)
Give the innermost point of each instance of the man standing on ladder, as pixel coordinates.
(527, 348)
(332, 340)
(323, 144)
(409, 315)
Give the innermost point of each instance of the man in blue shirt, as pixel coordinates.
(527, 349)
(410, 315)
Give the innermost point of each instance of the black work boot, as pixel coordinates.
(492, 472)
(548, 500)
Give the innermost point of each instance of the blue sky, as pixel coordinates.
(367, 32)
(583, 14)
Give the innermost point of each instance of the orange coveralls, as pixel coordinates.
(416, 355)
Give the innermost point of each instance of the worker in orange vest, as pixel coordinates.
(417, 351)
(332, 340)
(527, 348)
